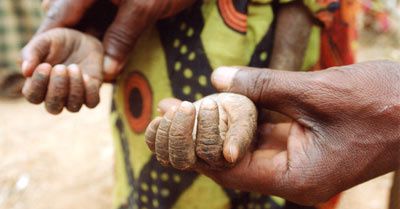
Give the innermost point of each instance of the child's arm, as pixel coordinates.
(216, 137)
(63, 68)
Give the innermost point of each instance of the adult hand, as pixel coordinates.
(132, 18)
(345, 130)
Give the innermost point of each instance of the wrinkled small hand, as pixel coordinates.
(216, 137)
(63, 68)
(345, 129)
(132, 18)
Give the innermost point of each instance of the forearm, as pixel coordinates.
(291, 37)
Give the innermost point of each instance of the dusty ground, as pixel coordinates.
(65, 161)
(55, 162)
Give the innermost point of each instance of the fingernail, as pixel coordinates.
(60, 69)
(233, 153)
(159, 111)
(26, 86)
(222, 77)
(25, 67)
(110, 65)
(208, 103)
(187, 107)
(86, 78)
(73, 68)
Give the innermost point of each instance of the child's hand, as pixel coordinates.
(216, 137)
(64, 68)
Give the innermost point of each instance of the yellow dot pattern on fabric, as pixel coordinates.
(178, 66)
(198, 96)
(154, 189)
(187, 90)
(203, 80)
(176, 178)
(263, 56)
(144, 187)
(155, 203)
(144, 198)
(267, 205)
(164, 192)
(190, 32)
(184, 49)
(188, 73)
(164, 177)
(153, 174)
(177, 43)
(192, 56)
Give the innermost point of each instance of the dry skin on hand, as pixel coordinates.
(215, 132)
(64, 69)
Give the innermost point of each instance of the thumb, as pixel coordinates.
(281, 91)
(132, 19)
(63, 13)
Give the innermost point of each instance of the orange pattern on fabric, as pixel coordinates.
(336, 49)
(138, 83)
(337, 36)
(232, 18)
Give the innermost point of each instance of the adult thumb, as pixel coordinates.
(282, 91)
(63, 13)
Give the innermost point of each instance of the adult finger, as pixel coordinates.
(131, 20)
(63, 13)
(35, 87)
(76, 95)
(34, 53)
(282, 91)
(57, 92)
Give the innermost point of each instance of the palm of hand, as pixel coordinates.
(64, 68)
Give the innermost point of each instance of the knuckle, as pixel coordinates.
(259, 83)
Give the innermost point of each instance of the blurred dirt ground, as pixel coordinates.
(66, 161)
(55, 162)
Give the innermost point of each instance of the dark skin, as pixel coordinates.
(119, 37)
(68, 70)
(345, 129)
(79, 80)
(216, 137)
(220, 141)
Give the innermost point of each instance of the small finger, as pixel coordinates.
(151, 132)
(76, 95)
(242, 125)
(57, 92)
(209, 144)
(161, 147)
(36, 86)
(181, 145)
(92, 89)
(166, 104)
